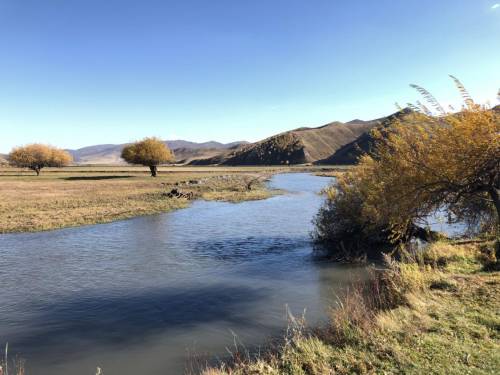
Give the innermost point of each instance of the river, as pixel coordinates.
(155, 294)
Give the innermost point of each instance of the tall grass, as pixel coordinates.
(399, 320)
(11, 367)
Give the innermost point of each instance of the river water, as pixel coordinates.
(155, 294)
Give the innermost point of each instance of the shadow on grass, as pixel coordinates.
(94, 178)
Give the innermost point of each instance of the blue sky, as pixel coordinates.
(82, 72)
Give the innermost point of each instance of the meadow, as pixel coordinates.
(81, 195)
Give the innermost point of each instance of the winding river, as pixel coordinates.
(158, 294)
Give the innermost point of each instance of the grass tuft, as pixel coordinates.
(439, 316)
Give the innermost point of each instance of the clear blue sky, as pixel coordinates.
(82, 72)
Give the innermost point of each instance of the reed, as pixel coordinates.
(410, 318)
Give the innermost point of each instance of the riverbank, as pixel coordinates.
(438, 316)
(76, 196)
(139, 296)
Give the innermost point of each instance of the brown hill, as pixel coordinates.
(299, 146)
(350, 152)
(192, 155)
(184, 152)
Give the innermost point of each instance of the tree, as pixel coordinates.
(37, 156)
(419, 164)
(150, 152)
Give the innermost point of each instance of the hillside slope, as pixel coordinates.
(350, 152)
(184, 151)
(299, 146)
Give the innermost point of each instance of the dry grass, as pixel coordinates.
(82, 195)
(410, 319)
(441, 254)
(332, 172)
(11, 366)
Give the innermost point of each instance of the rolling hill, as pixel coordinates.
(298, 146)
(184, 151)
(335, 143)
(350, 152)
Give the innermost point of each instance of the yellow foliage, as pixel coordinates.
(426, 162)
(420, 163)
(37, 156)
(150, 152)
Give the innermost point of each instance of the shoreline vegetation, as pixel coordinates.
(433, 306)
(435, 315)
(426, 308)
(86, 195)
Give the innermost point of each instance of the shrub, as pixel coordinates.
(420, 163)
(37, 156)
(150, 152)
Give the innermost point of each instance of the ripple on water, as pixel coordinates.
(132, 296)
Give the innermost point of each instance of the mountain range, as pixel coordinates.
(305, 145)
(335, 143)
(184, 151)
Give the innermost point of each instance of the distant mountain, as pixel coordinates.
(298, 146)
(192, 155)
(99, 154)
(173, 145)
(188, 152)
(184, 151)
(335, 143)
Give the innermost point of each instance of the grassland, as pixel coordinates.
(83, 195)
(436, 316)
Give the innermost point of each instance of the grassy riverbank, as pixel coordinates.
(84, 195)
(90, 195)
(437, 316)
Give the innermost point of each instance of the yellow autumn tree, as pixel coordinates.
(37, 156)
(149, 152)
(419, 164)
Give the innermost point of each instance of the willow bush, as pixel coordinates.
(421, 163)
(149, 152)
(37, 156)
